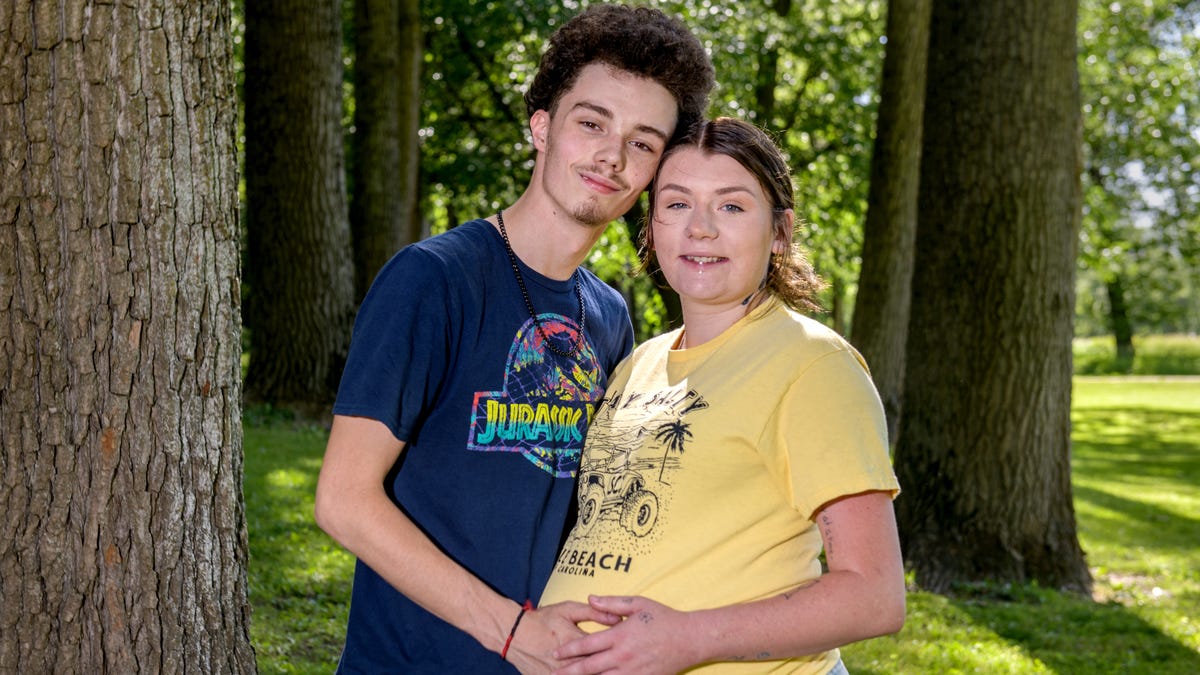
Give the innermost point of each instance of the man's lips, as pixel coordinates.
(599, 182)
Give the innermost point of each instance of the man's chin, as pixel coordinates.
(593, 214)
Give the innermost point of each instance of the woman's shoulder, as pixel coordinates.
(801, 335)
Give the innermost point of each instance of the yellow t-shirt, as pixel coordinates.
(703, 468)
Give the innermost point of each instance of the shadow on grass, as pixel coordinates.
(1129, 523)
(1131, 466)
(1070, 634)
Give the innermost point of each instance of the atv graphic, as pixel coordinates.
(604, 489)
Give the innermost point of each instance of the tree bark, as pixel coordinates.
(386, 119)
(122, 532)
(299, 268)
(880, 328)
(984, 447)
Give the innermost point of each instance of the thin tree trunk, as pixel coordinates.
(299, 268)
(122, 532)
(984, 449)
(386, 119)
(837, 305)
(1122, 328)
(411, 41)
(880, 328)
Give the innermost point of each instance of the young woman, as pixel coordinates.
(726, 455)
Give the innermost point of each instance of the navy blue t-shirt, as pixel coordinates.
(446, 355)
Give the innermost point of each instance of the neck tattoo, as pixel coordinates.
(576, 345)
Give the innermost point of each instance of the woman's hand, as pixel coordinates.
(652, 638)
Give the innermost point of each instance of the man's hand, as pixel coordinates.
(544, 629)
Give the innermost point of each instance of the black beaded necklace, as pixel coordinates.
(537, 322)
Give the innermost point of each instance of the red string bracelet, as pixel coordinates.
(527, 607)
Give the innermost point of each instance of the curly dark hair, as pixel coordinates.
(640, 40)
(790, 276)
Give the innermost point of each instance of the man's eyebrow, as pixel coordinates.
(607, 114)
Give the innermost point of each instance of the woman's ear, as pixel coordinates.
(783, 233)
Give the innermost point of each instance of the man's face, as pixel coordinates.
(600, 149)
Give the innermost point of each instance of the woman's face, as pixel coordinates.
(712, 229)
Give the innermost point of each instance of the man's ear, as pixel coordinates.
(539, 127)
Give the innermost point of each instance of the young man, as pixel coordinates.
(477, 360)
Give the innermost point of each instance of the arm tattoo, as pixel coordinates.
(827, 530)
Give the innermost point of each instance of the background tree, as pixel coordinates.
(383, 198)
(1140, 257)
(984, 447)
(122, 535)
(880, 328)
(299, 268)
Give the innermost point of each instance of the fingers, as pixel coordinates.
(582, 646)
(620, 605)
(578, 612)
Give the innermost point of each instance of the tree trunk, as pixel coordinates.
(880, 328)
(984, 448)
(386, 119)
(299, 269)
(411, 57)
(837, 305)
(1122, 328)
(123, 540)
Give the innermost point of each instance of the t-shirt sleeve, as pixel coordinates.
(830, 436)
(400, 346)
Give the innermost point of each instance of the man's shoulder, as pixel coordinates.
(597, 286)
(466, 240)
(463, 246)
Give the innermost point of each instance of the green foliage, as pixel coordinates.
(1154, 355)
(1141, 220)
(1137, 489)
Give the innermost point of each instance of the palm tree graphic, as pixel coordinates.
(672, 435)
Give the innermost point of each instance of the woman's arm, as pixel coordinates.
(861, 596)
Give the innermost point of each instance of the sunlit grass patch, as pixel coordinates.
(299, 577)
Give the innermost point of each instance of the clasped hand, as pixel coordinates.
(647, 638)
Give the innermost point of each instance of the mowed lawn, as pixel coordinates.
(1136, 460)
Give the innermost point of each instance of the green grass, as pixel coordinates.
(1137, 497)
(299, 578)
(1153, 355)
